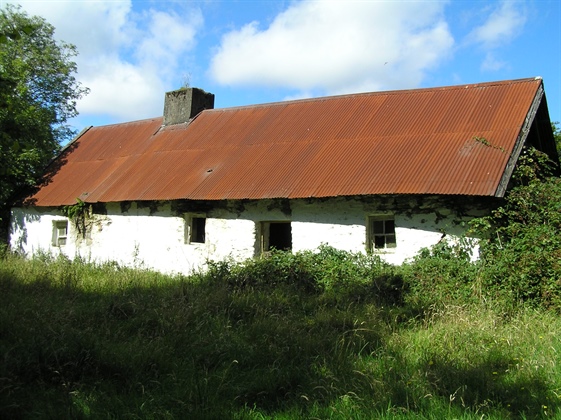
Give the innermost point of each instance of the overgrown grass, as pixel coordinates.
(310, 335)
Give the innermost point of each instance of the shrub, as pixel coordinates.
(522, 247)
(522, 256)
(278, 268)
(358, 276)
(339, 275)
(442, 275)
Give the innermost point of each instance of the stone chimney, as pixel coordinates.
(183, 104)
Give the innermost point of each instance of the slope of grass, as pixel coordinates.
(311, 335)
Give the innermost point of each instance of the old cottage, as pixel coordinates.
(384, 172)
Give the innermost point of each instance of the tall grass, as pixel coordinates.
(322, 334)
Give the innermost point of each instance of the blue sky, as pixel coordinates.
(249, 52)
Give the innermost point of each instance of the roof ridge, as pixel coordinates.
(381, 93)
(139, 121)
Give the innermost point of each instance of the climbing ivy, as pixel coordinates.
(81, 214)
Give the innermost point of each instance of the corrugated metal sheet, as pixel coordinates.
(400, 142)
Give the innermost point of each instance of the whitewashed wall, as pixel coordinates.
(137, 238)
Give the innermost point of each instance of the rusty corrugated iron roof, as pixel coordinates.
(449, 140)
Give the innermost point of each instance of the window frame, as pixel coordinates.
(192, 229)
(59, 240)
(389, 237)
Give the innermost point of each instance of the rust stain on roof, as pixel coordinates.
(422, 141)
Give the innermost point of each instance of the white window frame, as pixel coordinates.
(385, 232)
(191, 228)
(60, 233)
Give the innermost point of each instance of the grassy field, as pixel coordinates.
(324, 335)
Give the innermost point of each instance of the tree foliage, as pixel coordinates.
(38, 94)
(557, 136)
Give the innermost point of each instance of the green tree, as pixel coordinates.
(38, 94)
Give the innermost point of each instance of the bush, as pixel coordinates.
(442, 275)
(521, 255)
(339, 275)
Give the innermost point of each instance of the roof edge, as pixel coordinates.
(70, 144)
(520, 141)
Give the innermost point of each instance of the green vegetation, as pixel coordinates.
(311, 335)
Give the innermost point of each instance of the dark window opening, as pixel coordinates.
(198, 225)
(277, 235)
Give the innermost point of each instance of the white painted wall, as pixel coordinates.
(139, 239)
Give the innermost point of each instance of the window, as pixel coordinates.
(60, 232)
(277, 235)
(381, 233)
(195, 230)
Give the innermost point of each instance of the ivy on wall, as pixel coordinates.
(81, 215)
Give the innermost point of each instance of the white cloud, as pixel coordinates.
(167, 38)
(492, 63)
(503, 22)
(122, 90)
(338, 47)
(502, 25)
(95, 27)
(127, 59)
